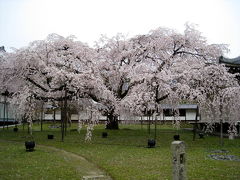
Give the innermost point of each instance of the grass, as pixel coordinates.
(44, 163)
(123, 154)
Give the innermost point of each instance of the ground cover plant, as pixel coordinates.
(123, 154)
(44, 163)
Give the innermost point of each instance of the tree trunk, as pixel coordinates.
(112, 121)
(54, 116)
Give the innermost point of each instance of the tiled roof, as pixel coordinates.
(2, 49)
(181, 106)
(230, 61)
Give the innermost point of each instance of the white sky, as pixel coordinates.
(23, 21)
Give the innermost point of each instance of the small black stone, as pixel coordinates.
(29, 145)
(104, 134)
(151, 143)
(50, 136)
(201, 135)
(176, 137)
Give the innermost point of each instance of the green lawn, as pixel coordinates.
(123, 154)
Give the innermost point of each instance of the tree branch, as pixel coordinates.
(36, 84)
(158, 100)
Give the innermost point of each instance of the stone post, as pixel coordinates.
(231, 136)
(179, 160)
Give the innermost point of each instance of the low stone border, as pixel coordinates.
(224, 157)
(220, 151)
(94, 177)
(54, 126)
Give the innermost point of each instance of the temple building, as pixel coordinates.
(233, 64)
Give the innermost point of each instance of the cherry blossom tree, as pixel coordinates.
(136, 75)
(55, 69)
(144, 71)
(175, 68)
(215, 92)
(113, 71)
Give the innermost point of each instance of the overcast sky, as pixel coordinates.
(23, 21)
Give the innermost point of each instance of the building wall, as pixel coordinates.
(8, 112)
(191, 114)
(83, 115)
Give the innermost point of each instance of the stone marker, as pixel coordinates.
(179, 160)
(231, 136)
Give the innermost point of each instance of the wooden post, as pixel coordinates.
(62, 121)
(7, 113)
(64, 115)
(54, 115)
(155, 133)
(221, 132)
(4, 111)
(221, 121)
(41, 120)
(195, 125)
(65, 111)
(149, 129)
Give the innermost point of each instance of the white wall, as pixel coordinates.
(190, 115)
(8, 111)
